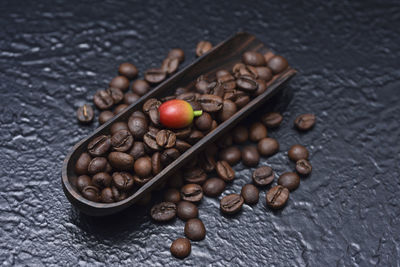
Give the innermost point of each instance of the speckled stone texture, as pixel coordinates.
(55, 54)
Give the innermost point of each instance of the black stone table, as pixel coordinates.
(55, 54)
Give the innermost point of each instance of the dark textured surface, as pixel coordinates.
(55, 54)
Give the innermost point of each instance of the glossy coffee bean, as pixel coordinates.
(118, 109)
(181, 248)
(142, 166)
(216, 88)
(253, 58)
(195, 176)
(204, 122)
(303, 167)
(242, 101)
(164, 211)
(240, 134)
(140, 181)
(91, 193)
(297, 152)
(213, 187)
(150, 140)
(272, 119)
(120, 82)
(305, 122)
(172, 195)
(105, 116)
(121, 161)
(101, 180)
(250, 156)
(128, 70)
(85, 114)
(166, 138)
(98, 164)
(83, 181)
(169, 155)
(257, 132)
(202, 48)
(150, 104)
(231, 204)
(250, 194)
(182, 146)
(277, 197)
(130, 98)
(186, 210)
(210, 103)
(206, 162)
(247, 83)
(99, 145)
(264, 73)
(123, 180)
(263, 176)
(106, 195)
(195, 229)
(170, 65)
(225, 171)
(155, 76)
(103, 100)
(140, 87)
(116, 94)
(262, 87)
(177, 53)
(221, 73)
(192, 193)
(277, 64)
(122, 140)
(118, 126)
(156, 165)
(268, 56)
(228, 109)
(137, 150)
(290, 180)
(268, 146)
(189, 96)
(81, 165)
(137, 126)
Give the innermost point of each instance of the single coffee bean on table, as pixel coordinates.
(263, 176)
(195, 229)
(155, 76)
(177, 53)
(290, 180)
(181, 248)
(277, 197)
(140, 87)
(192, 192)
(250, 156)
(297, 152)
(250, 194)
(257, 132)
(272, 119)
(194, 175)
(116, 94)
(170, 65)
(120, 82)
(103, 100)
(85, 114)
(202, 48)
(128, 70)
(268, 146)
(164, 211)
(305, 122)
(225, 171)
(213, 187)
(130, 98)
(231, 204)
(186, 210)
(303, 167)
(231, 154)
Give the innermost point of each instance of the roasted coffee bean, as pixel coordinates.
(237, 69)
(102, 179)
(167, 98)
(170, 65)
(189, 96)
(290, 180)
(207, 162)
(304, 122)
(213, 187)
(194, 137)
(137, 126)
(268, 56)
(214, 125)
(105, 116)
(169, 155)
(130, 98)
(186, 210)
(250, 156)
(118, 126)
(228, 109)
(183, 133)
(221, 73)
(172, 195)
(85, 114)
(225, 171)
(99, 145)
(140, 87)
(163, 211)
(297, 152)
(231, 154)
(150, 140)
(155, 76)
(247, 83)
(182, 146)
(225, 141)
(253, 58)
(123, 180)
(98, 164)
(195, 229)
(106, 195)
(268, 146)
(192, 192)
(247, 70)
(177, 53)
(139, 114)
(181, 248)
(119, 195)
(263, 176)
(231, 204)
(121, 141)
(91, 193)
(194, 176)
(142, 166)
(140, 181)
(272, 119)
(250, 194)
(262, 87)
(203, 122)
(227, 81)
(154, 115)
(83, 181)
(264, 73)
(202, 86)
(240, 134)
(150, 104)
(303, 167)
(116, 94)
(128, 70)
(210, 103)
(242, 101)
(230, 95)
(175, 180)
(81, 165)
(156, 166)
(257, 132)
(166, 138)
(121, 160)
(277, 197)
(103, 100)
(181, 90)
(277, 64)
(203, 47)
(120, 82)
(216, 88)
(118, 109)
(137, 150)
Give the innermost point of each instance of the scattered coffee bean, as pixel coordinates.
(250, 156)
(85, 114)
(231, 154)
(155, 76)
(263, 176)
(105, 116)
(268, 146)
(177, 53)
(164, 211)
(277, 64)
(195, 229)
(305, 122)
(172, 195)
(231, 204)
(170, 65)
(186, 210)
(290, 180)
(297, 152)
(277, 197)
(128, 70)
(140, 87)
(83, 181)
(225, 171)
(103, 100)
(303, 167)
(250, 194)
(257, 132)
(195, 176)
(120, 82)
(116, 94)
(130, 98)
(203, 47)
(192, 192)
(213, 187)
(272, 119)
(181, 248)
